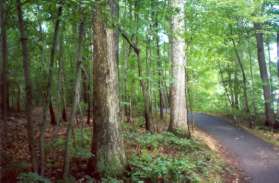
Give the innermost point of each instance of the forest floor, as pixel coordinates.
(258, 159)
(152, 157)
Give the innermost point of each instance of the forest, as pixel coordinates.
(139, 91)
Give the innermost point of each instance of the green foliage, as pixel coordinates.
(150, 140)
(111, 180)
(80, 147)
(168, 157)
(32, 178)
(164, 168)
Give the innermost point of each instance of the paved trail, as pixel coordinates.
(257, 158)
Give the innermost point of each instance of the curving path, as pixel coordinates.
(258, 159)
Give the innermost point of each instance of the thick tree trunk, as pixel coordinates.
(76, 98)
(28, 86)
(107, 147)
(264, 76)
(178, 112)
(49, 86)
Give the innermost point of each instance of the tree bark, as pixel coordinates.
(49, 86)
(28, 86)
(107, 147)
(178, 112)
(269, 119)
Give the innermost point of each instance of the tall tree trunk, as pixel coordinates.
(48, 102)
(178, 112)
(61, 78)
(264, 76)
(278, 70)
(28, 86)
(244, 80)
(252, 83)
(146, 98)
(3, 81)
(4, 57)
(107, 147)
(76, 98)
(270, 77)
(160, 68)
(143, 82)
(235, 89)
(278, 53)
(224, 85)
(4, 60)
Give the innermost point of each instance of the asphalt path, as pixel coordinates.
(257, 158)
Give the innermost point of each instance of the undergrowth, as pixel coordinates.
(152, 157)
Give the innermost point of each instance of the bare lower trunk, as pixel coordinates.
(107, 147)
(28, 86)
(264, 76)
(52, 114)
(178, 112)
